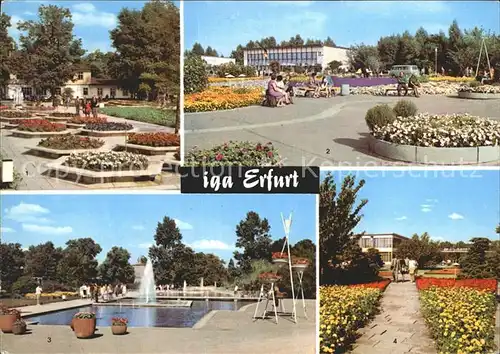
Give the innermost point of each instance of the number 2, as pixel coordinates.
(328, 151)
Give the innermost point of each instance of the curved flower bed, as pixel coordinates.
(343, 310)
(107, 161)
(427, 88)
(87, 120)
(479, 284)
(15, 114)
(220, 98)
(40, 125)
(480, 89)
(63, 114)
(461, 320)
(158, 139)
(381, 285)
(71, 142)
(234, 153)
(450, 79)
(109, 126)
(433, 130)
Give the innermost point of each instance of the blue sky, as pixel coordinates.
(225, 24)
(449, 205)
(93, 20)
(207, 222)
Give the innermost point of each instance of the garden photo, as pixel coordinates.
(89, 95)
(158, 273)
(409, 261)
(418, 83)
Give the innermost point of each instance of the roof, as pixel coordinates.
(388, 234)
(298, 46)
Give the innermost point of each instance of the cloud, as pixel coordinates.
(182, 225)
(86, 14)
(455, 216)
(401, 218)
(5, 230)
(28, 13)
(145, 245)
(84, 7)
(210, 245)
(426, 210)
(27, 213)
(426, 206)
(50, 230)
(138, 227)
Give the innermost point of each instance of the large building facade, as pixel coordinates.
(303, 56)
(216, 61)
(386, 244)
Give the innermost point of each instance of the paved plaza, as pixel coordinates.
(34, 174)
(316, 132)
(218, 332)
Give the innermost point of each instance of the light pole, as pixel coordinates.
(436, 61)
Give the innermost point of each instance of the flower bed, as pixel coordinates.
(15, 114)
(228, 79)
(109, 126)
(71, 142)
(40, 125)
(63, 114)
(343, 310)
(40, 108)
(270, 277)
(56, 294)
(279, 255)
(234, 153)
(427, 88)
(431, 130)
(479, 284)
(461, 320)
(107, 161)
(480, 89)
(87, 120)
(220, 98)
(159, 139)
(381, 285)
(3, 107)
(450, 79)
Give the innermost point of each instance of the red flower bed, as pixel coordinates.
(159, 139)
(445, 271)
(300, 261)
(381, 284)
(41, 125)
(280, 255)
(479, 284)
(269, 276)
(3, 107)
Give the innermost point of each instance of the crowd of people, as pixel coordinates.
(400, 267)
(87, 106)
(102, 292)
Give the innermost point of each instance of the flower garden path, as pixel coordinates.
(316, 132)
(399, 327)
(219, 332)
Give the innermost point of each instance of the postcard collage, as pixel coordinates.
(240, 177)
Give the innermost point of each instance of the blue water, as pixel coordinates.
(142, 316)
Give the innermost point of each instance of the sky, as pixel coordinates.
(92, 20)
(449, 205)
(207, 222)
(225, 24)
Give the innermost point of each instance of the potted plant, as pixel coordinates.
(83, 324)
(268, 277)
(19, 327)
(7, 318)
(280, 258)
(300, 264)
(119, 325)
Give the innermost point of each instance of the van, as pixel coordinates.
(406, 69)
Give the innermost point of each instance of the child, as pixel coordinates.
(87, 109)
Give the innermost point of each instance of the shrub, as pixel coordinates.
(40, 125)
(461, 320)
(24, 284)
(107, 161)
(235, 153)
(71, 142)
(405, 108)
(109, 126)
(379, 116)
(220, 98)
(480, 88)
(164, 117)
(158, 139)
(195, 75)
(478, 284)
(16, 114)
(474, 83)
(87, 120)
(63, 114)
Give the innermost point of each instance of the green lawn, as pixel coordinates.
(164, 117)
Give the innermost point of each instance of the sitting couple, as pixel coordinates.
(279, 90)
(406, 82)
(325, 86)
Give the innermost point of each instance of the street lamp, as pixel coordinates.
(436, 60)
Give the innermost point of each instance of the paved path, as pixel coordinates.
(399, 328)
(53, 306)
(225, 332)
(319, 132)
(33, 171)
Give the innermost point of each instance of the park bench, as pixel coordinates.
(410, 89)
(303, 91)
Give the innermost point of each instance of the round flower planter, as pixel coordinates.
(478, 95)
(299, 267)
(280, 261)
(84, 327)
(19, 329)
(118, 330)
(270, 280)
(7, 322)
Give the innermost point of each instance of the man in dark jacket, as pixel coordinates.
(94, 103)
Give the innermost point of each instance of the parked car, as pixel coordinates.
(406, 69)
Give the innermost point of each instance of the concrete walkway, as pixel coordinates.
(399, 328)
(316, 132)
(53, 306)
(225, 332)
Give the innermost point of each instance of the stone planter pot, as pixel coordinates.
(119, 330)
(83, 327)
(7, 322)
(19, 329)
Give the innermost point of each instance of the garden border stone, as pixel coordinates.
(58, 119)
(75, 125)
(10, 126)
(107, 133)
(26, 134)
(57, 153)
(478, 95)
(6, 119)
(57, 169)
(434, 155)
(147, 150)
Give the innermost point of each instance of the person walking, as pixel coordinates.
(124, 290)
(396, 269)
(38, 292)
(94, 104)
(77, 106)
(413, 266)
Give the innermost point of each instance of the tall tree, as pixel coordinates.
(420, 248)
(253, 237)
(11, 266)
(7, 47)
(78, 264)
(116, 267)
(211, 52)
(48, 49)
(42, 260)
(474, 264)
(329, 42)
(98, 63)
(197, 49)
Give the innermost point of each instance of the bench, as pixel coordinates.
(396, 90)
(303, 91)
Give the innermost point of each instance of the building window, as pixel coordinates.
(112, 91)
(99, 91)
(27, 91)
(85, 91)
(125, 93)
(386, 257)
(58, 90)
(80, 76)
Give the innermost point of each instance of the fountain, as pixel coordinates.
(147, 290)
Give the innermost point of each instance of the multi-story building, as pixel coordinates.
(83, 85)
(291, 57)
(386, 244)
(216, 61)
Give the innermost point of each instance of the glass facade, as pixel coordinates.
(296, 56)
(379, 242)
